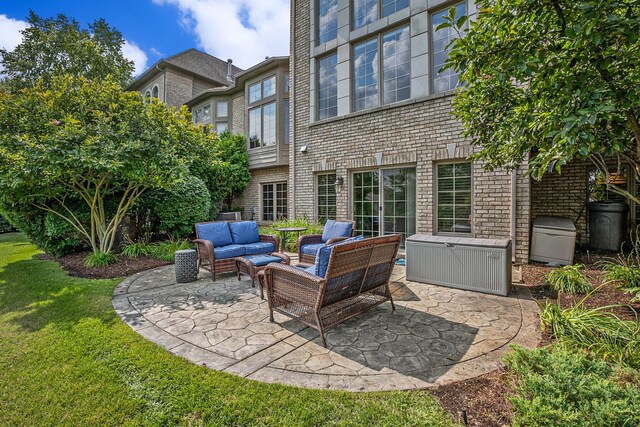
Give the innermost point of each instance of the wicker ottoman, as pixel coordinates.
(251, 265)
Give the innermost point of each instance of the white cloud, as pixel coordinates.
(132, 52)
(245, 30)
(10, 35)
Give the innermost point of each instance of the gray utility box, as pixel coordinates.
(482, 265)
(553, 239)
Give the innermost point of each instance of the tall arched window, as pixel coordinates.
(147, 97)
(154, 93)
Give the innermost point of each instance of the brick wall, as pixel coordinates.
(178, 88)
(413, 133)
(238, 110)
(565, 195)
(252, 196)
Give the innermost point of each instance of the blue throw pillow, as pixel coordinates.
(333, 229)
(215, 232)
(322, 259)
(244, 232)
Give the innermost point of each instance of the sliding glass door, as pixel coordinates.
(384, 202)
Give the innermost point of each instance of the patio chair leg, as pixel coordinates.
(393, 306)
(270, 315)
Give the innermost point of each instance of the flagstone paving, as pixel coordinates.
(435, 336)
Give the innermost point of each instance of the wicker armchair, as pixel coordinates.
(207, 251)
(316, 240)
(357, 278)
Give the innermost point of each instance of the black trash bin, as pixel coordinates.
(607, 225)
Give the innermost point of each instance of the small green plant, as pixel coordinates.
(625, 272)
(100, 259)
(569, 279)
(292, 238)
(136, 249)
(596, 330)
(165, 251)
(556, 386)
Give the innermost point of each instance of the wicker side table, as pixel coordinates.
(186, 266)
(251, 265)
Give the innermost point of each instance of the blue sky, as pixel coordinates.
(244, 30)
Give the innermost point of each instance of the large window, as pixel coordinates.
(255, 92)
(327, 20)
(255, 127)
(222, 109)
(274, 201)
(269, 87)
(444, 80)
(394, 66)
(328, 87)
(287, 121)
(269, 124)
(221, 127)
(326, 184)
(367, 11)
(262, 125)
(365, 74)
(454, 198)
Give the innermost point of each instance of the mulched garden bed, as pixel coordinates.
(483, 398)
(74, 265)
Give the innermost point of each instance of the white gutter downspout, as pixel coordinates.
(292, 105)
(514, 193)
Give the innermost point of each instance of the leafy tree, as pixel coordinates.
(88, 142)
(555, 80)
(57, 46)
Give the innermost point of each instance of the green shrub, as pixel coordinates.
(100, 259)
(5, 226)
(48, 231)
(165, 251)
(291, 244)
(178, 209)
(569, 279)
(556, 386)
(136, 249)
(595, 330)
(626, 273)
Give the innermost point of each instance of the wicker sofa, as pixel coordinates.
(220, 242)
(356, 279)
(334, 231)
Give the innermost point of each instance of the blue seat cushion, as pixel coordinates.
(229, 251)
(334, 229)
(262, 260)
(322, 259)
(244, 232)
(216, 232)
(311, 269)
(311, 248)
(259, 248)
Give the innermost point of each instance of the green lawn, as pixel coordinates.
(67, 359)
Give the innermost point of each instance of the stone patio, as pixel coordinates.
(436, 335)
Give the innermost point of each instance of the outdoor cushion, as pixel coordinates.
(262, 260)
(334, 229)
(259, 248)
(322, 259)
(311, 248)
(216, 232)
(244, 232)
(229, 251)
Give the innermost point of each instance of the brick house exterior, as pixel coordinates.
(388, 148)
(262, 119)
(177, 79)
